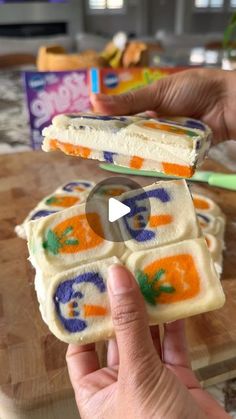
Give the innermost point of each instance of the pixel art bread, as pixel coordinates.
(70, 193)
(77, 190)
(212, 222)
(175, 146)
(175, 272)
(170, 202)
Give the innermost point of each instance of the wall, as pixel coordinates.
(204, 22)
(143, 17)
(71, 12)
(207, 22)
(161, 15)
(108, 24)
(146, 17)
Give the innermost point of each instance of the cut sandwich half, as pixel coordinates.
(175, 146)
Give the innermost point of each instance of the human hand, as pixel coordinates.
(139, 382)
(206, 94)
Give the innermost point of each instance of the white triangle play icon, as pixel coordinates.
(116, 210)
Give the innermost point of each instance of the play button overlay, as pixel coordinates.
(115, 208)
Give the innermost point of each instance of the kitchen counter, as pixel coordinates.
(34, 377)
(14, 129)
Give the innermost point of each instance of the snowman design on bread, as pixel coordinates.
(72, 311)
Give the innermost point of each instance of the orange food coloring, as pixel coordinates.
(177, 169)
(164, 127)
(74, 235)
(180, 273)
(201, 204)
(70, 149)
(159, 220)
(94, 310)
(136, 162)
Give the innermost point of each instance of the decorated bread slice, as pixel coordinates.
(167, 210)
(174, 146)
(173, 266)
(65, 196)
(176, 281)
(78, 186)
(215, 246)
(211, 224)
(206, 205)
(77, 305)
(65, 239)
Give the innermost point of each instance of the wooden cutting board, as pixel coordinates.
(33, 378)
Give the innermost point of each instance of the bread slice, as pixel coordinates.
(175, 146)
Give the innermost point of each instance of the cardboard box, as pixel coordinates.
(52, 93)
(112, 82)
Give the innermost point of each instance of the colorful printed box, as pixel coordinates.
(115, 81)
(52, 93)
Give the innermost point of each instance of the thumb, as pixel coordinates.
(145, 99)
(130, 321)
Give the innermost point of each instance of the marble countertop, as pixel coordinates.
(15, 137)
(14, 128)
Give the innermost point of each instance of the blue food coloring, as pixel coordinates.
(203, 217)
(142, 234)
(41, 213)
(66, 294)
(69, 187)
(100, 117)
(108, 156)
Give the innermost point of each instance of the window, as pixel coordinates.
(106, 5)
(211, 4)
(214, 5)
(97, 4)
(115, 4)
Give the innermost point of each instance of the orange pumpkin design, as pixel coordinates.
(169, 128)
(64, 201)
(169, 280)
(73, 235)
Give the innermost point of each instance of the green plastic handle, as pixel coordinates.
(223, 181)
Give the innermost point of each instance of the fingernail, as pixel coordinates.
(119, 280)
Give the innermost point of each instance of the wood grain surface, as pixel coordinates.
(33, 378)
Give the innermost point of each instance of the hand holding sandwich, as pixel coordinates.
(206, 94)
(139, 381)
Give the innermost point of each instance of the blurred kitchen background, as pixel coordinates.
(180, 26)
(128, 43)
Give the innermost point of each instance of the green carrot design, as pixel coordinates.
(54, 242)
(52, 200)
(149, 288)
